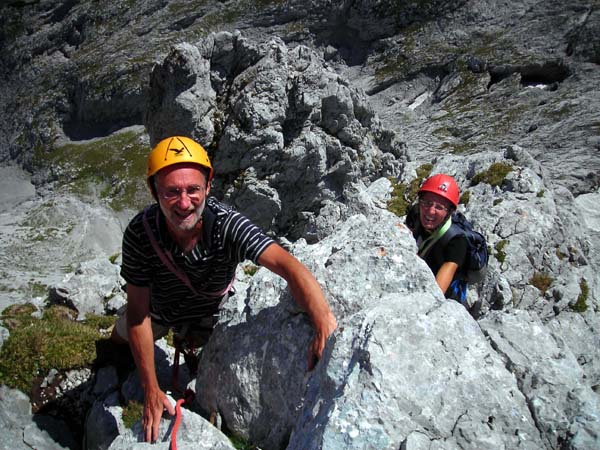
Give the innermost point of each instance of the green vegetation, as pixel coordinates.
(132, 412)
(494, 175)
(402, 195)
(462, 147)
(250, 269)
(581, 305)
(392, 67)
(541, 281)
(113, 167)
(240, 443)
(540, 194)
(497, 201)
(113, 258)
(500, 254)
(465, 197)
(35, 346)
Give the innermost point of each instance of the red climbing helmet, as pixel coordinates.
(442, 185)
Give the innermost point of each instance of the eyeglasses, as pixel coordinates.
(194, 192)
(426, 204)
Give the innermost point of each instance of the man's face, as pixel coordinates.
(433, 209)
(182, 190)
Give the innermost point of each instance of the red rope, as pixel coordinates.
(188, 396)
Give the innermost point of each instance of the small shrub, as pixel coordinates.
(398, 203)
(465, 197)
(581, 305)
(494, 175)
(540, 194)
(497, 201)
(250, 269)
(499, 247)
(240, 443)
(132, 412)
(560, 255)
(113, 258)
(541, 281)
(402, 195)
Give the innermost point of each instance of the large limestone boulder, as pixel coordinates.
(405, 368)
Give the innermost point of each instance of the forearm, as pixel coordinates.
(308, 294)
(445, 275)
(141, 343)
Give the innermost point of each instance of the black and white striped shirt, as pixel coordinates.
(228, 238)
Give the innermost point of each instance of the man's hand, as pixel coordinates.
(155, 402)
(323, 329)
(306, 292)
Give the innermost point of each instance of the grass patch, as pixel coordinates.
(494, 175)
(581, 304)
(132, 412)
(112, 168)
(34, 346)
(461, 148)
(541, 281)
(540, 194)
(465, 197)
(500, 254)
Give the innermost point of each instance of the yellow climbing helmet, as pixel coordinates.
(176, 150)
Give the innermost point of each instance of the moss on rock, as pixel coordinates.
(35, 346)
(494, 175)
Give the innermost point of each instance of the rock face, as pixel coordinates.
(292, 136)
(306, 109)
(405, 369)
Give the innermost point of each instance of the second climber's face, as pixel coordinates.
(433, 210)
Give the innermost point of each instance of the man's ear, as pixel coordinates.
(207, 188)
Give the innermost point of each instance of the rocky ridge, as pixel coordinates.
(440, 89)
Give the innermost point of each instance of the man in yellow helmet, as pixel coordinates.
(179, 261)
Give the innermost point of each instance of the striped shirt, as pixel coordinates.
(228, 238)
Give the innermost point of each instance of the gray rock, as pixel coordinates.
(15, 187)
(194, 433)
(4, 333)
(89, 288)
(46, 239)
(562, 404)
(22, 431)
(403, 361)
(295, 139)
(102, 424)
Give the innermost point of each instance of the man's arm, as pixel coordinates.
(306, 292)
(141, 343)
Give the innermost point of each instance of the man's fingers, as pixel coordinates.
(168, 406)
(147, 424)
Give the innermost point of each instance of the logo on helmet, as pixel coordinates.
(177, 151)
(443, 187)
